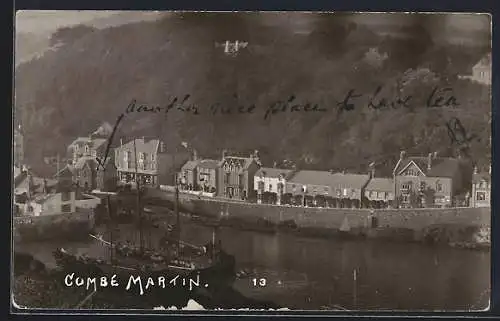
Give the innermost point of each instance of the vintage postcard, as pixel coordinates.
(251, 160)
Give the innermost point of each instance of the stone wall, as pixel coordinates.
(63, 225)
(413, 224)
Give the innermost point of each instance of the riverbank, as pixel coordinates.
(458, 227)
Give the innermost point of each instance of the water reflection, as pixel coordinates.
(308, 273)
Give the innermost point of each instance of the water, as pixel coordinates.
(312, 273)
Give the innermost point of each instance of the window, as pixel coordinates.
(406, 186)
(226, 178)
(405, 198)
(411, 172)
(65, 196)
(386, 196)
(439, 187)
(270, 187)
(261, 186)
(481, 196)
(152, 157)
(65, 208)
(87, 149)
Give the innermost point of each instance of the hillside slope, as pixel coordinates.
(68, 92)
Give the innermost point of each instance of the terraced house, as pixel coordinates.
(236, 176)
(138, 160)
(270, 184)
(326, 188)
(481, 189)
(429, 181)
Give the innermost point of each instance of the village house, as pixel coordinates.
(138, 161)
(207, 175)
(188, 177)
(322, 188)
(270, 184)
(430, 181)
(380, 190)
(18, 147)
(150, 160)
(481, 189)
(236, 176)
(481, 72)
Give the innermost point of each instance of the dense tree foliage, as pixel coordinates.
(93, 78)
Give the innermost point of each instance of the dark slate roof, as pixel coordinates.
(273, 172)
(440, 166)
(380, 184)
(208, 164)
(244, 162)
(324, 178)
(476, 178)
(80, 163)
(150, 146)
(190, 165)
(95, 143)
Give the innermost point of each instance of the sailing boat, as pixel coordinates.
(173, 261)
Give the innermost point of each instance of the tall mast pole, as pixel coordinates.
(176, 203)
(110, 228)
(139, 212)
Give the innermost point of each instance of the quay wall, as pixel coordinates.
(451, 224)
(62, 225)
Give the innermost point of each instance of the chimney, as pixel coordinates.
(195, 155)
(162, 147)
(275, 164)
(372, 170)
(435, 155)
(121, 142)
(475, 169)
(429, 161)
(402, 155)
(224, 153)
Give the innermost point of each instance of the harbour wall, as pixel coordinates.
(456, 226)
(72, 225)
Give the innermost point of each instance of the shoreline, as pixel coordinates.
(393, 225)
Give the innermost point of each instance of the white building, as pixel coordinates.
(271, 180)
(481, 72)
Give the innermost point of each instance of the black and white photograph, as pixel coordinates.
(251, 160)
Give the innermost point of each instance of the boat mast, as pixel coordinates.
(176, 204)
(139, 212)
(110, 226)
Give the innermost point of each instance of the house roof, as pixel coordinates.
(244, 162)
(95, 143)
(208, 164)
(67, 168)
(380, 184)
(190, 165)
(80, 163)
(273, 172)
(148, 146)
(37, 183)
(440, 166)
(324, 178)
(476, 178)
(485, 62)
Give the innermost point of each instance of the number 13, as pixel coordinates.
(259, 282)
